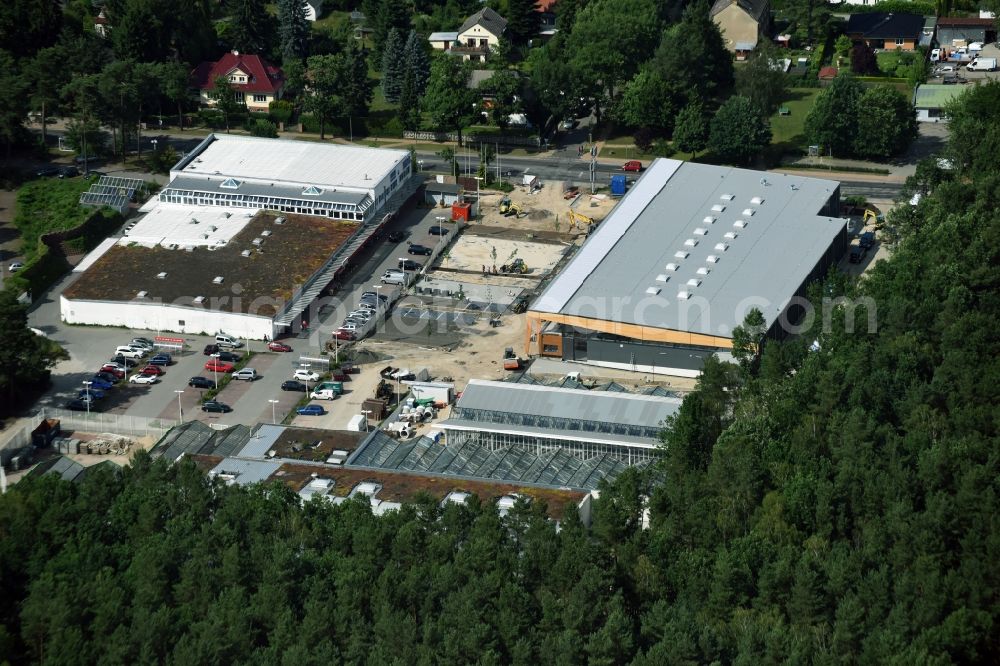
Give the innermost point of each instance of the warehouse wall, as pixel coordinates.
(172, 318)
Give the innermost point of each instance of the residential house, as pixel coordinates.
(443, 41)
(546, 14)
(257, 82)
(886, 31)
(314, 9)
(101, 25)
(478, 34)
(743, 23)
(965, 31)
(930, 100)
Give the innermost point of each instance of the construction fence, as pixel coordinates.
(118, 424)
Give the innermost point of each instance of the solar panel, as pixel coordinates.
(119, 182)
(116, 201)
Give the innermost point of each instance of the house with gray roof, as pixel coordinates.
(479, 34)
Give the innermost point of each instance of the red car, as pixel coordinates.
(113, 370)
(344, 335)
(153, 370)
(219, 366)
(632, 165)
(278, 347)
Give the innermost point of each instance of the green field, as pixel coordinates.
(789, 131)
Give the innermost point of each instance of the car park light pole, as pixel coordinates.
(367, 413)
(274, 417)
(180, 412)
(215, 369)
(86, 387)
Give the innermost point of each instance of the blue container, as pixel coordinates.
(618, 185)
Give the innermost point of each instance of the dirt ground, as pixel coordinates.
(471, 252)
(545, 209)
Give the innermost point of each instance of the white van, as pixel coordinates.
(394, 277)
(226, 340)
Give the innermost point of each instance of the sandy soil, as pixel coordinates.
(471, 252)
(545, 209)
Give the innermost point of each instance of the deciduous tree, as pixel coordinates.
(647, 101)
(738, 132)
(760, 81)
(691, 129)
(448, 100)
(832, 121)
(886, 123)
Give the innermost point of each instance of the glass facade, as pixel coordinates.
(557, 423)
(304, 206)
(539, 446)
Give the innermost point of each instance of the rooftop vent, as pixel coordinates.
(279, 220)
(218, 279)
(756, 201)
(730, 235)
(748, 212)
(721, 247)
(257, 241)
(690, 242)
(712, 259)
(245, 253)
(227, 215)
(230, 184)
(265, 232)
(694, 282)
(704, 270)
(709, 219)
(740, 224)
(193, 221)
(683, 295)
(141, 294)
(671, 266)
(718, 208)
(161, 276)
(213, 228)
(368, 488)
(662, 277)
(652, 291)
(727, 197)
(700, 231)
(681, 254)
(199, 299)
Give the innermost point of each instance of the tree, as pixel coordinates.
(13, 105)
(448, 99)
(554, 82)
(382, 16)
(691, 129)
(863, 59)
(175, 82)
(609, 40)
(224, 94)
(832, 121)
(416, 62)
(393, 65)
(293, 30)
(251, 27)
(647, 101)
(264, 128)
(747, 337)
(27, 26)
(843, 47)
(692, 56)
(886, 123)
(522, 21)
(323, 74)
(45, 76)
(738, 131)
(141, 31)
(760, 82)
(24, 363)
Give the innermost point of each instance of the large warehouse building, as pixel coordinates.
(244, 237)
(676, 266)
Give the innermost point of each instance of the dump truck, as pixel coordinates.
(510, 359)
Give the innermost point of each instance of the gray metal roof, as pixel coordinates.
(443, 37)
(262, 441)
(488, 19)
(246, 471)
(537, 400)
(262, 189)
(65, 468)
(549, 433)
(664, 235)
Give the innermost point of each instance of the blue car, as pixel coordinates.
(311, 410)
(161, 359)
(95, 393)
(98, 383)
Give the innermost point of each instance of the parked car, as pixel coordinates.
(229, 357)
(201, 382)
(219, 366)
(77, 406)
(372, 294)
(142, 344)
(15, 266)
(305, 375)
(143, 379)
(410, 265)
(105, 376)
(215, 406)
(438, 230)
(68, 172)
(419, 249)
(292, 385)
(47, 171)
(97, 382)
(278, 347)
(867, 240)
(632, 165)
(395, 236)
(347, 336)
(114, 370)
(364, 315)
(248, 374)
(94, 393)
(161, 359)
(311, 410)
(153, 370)
(124, 362)
(567, 124)
(352, 326)
(129, 352)
(146, 341)
(211, 349)
(394, 277)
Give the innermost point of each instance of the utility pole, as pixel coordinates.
(593, 167)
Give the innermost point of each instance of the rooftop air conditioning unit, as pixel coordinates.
(694, 282)
(662, 277)
(218, 279)
(266, 232)
(671, 266)
(193, 221)
(683, 295)
(199, 299)
(245, 253)
(279, 220)
(704, 270)
(756, 201)
(213, 228)
(727, 197)
(161, 276)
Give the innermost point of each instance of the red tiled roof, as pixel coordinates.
(959, 20)
(545, 5)
(828, 73)
(263, 77)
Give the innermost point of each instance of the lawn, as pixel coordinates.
(789, 131)
(49, 204)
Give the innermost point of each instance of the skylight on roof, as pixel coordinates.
(703, 270)
(312, 191)
(694, 282)
(756, 201)
(230, 184)
(690, 242)
(700, 231)
(727, 197)
(683, 295)
(652, 291)
(712, 259)
(672, 266)
(718, 208)
(662, 277)
(748, 212)
(709, 220)
(730, 235)
(740, 224)
(681, 254)
(721, 247)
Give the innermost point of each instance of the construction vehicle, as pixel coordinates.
(508, 207)
(516, 266)
(872, 217)
(510, 359)
(579, 219)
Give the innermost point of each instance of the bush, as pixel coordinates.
(643, 138)
(264, 128)
(281, 110)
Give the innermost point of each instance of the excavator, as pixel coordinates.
(508, 208)
(580, 219)
(516, 266)
(872, 217)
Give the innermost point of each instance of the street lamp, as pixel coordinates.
(274, 417)
(478, 180)
(180, 412)
(367, 413)
(154, 141)
(215, 369)
(402, 267)
(440, 222)
(86, 387)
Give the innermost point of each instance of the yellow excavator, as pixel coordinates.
(872, 217)
(508, 208)
(581, 220)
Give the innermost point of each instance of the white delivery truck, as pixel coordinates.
(983, 65)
